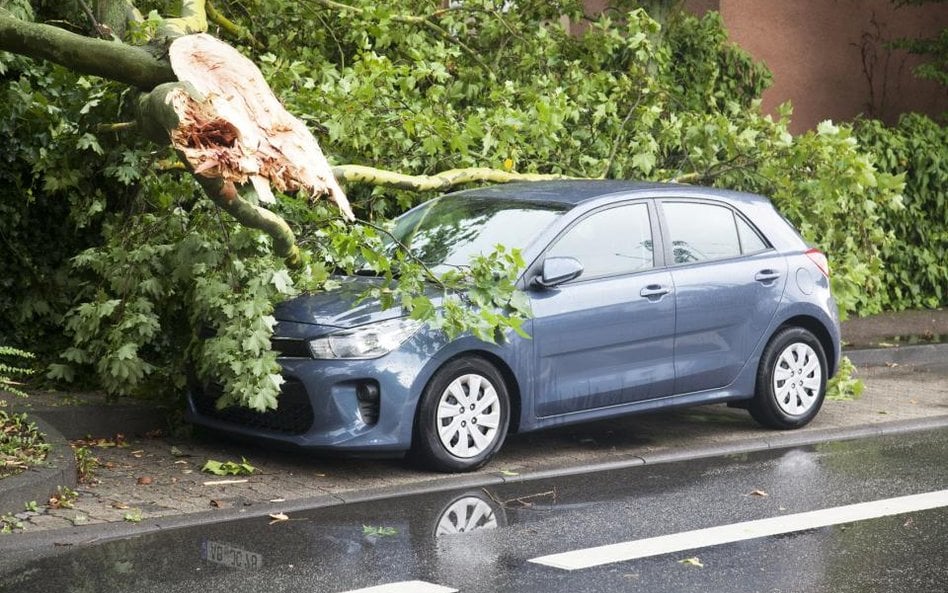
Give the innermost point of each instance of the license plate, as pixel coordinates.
(227, 555)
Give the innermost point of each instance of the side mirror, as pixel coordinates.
(557, 270)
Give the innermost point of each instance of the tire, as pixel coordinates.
(791, 380)
(455, 431)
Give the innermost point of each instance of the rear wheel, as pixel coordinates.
(791, 380)
(463, 415)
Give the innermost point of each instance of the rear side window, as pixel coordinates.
(701, 232)
(612, 241)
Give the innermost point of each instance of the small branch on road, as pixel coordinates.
(520, 501)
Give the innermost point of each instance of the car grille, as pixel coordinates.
(294, 414)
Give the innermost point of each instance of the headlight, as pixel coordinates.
(368, 341)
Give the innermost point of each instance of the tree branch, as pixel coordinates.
(127, 64)
(439, 181)
(620, 135)
(230, 27)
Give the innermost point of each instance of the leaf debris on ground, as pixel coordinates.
(228, 468)
(693, 561)
(278, 517)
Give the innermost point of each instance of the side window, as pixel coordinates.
(612, 241)
(750, 240)
(700, 232)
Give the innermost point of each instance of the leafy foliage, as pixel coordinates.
(9, 372)
(934, 49)
(915, 272)
(843, 386)
(86, 465)
(622, 100)
(21, 444)
(9, 522)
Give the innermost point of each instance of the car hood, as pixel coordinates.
(337, 307)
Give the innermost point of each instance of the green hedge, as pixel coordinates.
(916, 260)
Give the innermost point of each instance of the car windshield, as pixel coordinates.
(446, 232)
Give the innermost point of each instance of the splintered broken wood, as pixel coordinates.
(241, 132)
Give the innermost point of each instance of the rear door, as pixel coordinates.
(605, 338)
(728, 282)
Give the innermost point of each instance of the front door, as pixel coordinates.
(605, 338)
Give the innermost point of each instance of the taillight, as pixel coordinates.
(819, 258)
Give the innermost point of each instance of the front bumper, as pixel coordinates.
(319, 407)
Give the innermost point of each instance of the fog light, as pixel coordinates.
(368, 395)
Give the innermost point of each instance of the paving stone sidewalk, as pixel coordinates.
(146, 480)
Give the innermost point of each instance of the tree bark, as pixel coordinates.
(116, 15)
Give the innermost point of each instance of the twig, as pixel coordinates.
(101, 30)
(619, 136)
(523, 501)
(431, 275)
(116, 127)
(221, 482)
(230, 27)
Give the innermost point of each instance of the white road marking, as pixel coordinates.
(406, 587)
(723, 534)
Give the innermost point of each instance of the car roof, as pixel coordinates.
(576, 191)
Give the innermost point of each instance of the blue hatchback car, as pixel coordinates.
(644, 296)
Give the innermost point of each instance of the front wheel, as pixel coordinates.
(791, 380)
(462, 418)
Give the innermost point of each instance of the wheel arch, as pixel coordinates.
(815, 327)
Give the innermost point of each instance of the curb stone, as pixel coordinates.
(40, 482)
(915, 354)
(76, 422)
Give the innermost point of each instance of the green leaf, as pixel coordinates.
(373, 531)
(228, 468)
(644, 161)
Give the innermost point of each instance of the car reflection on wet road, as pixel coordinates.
(487, 540)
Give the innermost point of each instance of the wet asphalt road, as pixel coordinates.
(347, 547)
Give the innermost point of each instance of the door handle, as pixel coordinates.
(655, 290)
(767, 275)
